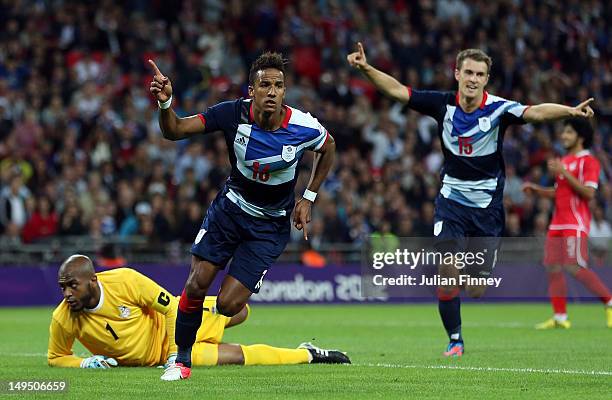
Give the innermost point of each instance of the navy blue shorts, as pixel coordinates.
(253, 244)
(458, 228)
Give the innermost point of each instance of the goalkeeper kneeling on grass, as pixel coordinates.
(126, 319)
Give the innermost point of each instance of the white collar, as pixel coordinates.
(100, 302)
(584, 152)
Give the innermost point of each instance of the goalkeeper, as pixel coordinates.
(125, 318)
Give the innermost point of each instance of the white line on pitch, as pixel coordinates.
(491, 369)
(456, 367)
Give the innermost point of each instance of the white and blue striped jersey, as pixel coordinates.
(473, 173)
(264, 163)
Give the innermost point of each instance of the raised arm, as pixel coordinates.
(172, 127)
(547, 112)
(387, 84)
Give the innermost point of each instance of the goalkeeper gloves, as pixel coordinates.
(99, 362)
(170, 361)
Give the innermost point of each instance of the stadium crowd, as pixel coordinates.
(82, 154)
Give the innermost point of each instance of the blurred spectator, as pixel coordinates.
(13, 203)
(514, 186)
(513, 225)
(70, 221)
(133, 223)
(190, 225)
(600, 235)
(43, 222)
(78, 126)
(193, 159)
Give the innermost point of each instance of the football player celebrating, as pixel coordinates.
(469, 210)
(249, 220)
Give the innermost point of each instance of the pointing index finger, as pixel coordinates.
(155, 69)
(360, 48)
(586, 102)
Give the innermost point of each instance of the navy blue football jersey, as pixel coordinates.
(473, 172)
(264, 163)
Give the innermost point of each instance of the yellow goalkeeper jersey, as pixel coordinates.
(134, 323)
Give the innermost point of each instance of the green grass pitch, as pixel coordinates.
(396, 352)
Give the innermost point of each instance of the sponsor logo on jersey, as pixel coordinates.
(240, 140)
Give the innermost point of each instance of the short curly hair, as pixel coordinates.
(583, 128)
(264, 61)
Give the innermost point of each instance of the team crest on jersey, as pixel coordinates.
(288, 153)
(572, 166)
(124, 312)
(484, 123)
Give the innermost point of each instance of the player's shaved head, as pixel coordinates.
(78, 281)
(77, 264)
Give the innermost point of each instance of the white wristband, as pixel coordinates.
(310, 195)
(166, 104)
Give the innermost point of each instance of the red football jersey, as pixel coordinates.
(571, 210)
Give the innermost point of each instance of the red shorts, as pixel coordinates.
(566, 247)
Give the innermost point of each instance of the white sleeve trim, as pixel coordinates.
(322, 142)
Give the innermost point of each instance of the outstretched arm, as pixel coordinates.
(547, 112)
(387, 84)
(548, 192)
(323, 160)
(172, 127)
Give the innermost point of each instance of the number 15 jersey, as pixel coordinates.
(474, 172)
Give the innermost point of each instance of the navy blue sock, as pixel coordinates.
(450, 312)
(187, 325)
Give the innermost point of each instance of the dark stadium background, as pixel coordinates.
(84, 168)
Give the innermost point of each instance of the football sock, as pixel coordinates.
(560, 317)
(592, 282)
(557, 290)
(449, 305)
(262, 354)
(188, 321)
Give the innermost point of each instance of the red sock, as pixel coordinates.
(592, 282)
(557, 290)
(447, 295)
(188, 305)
